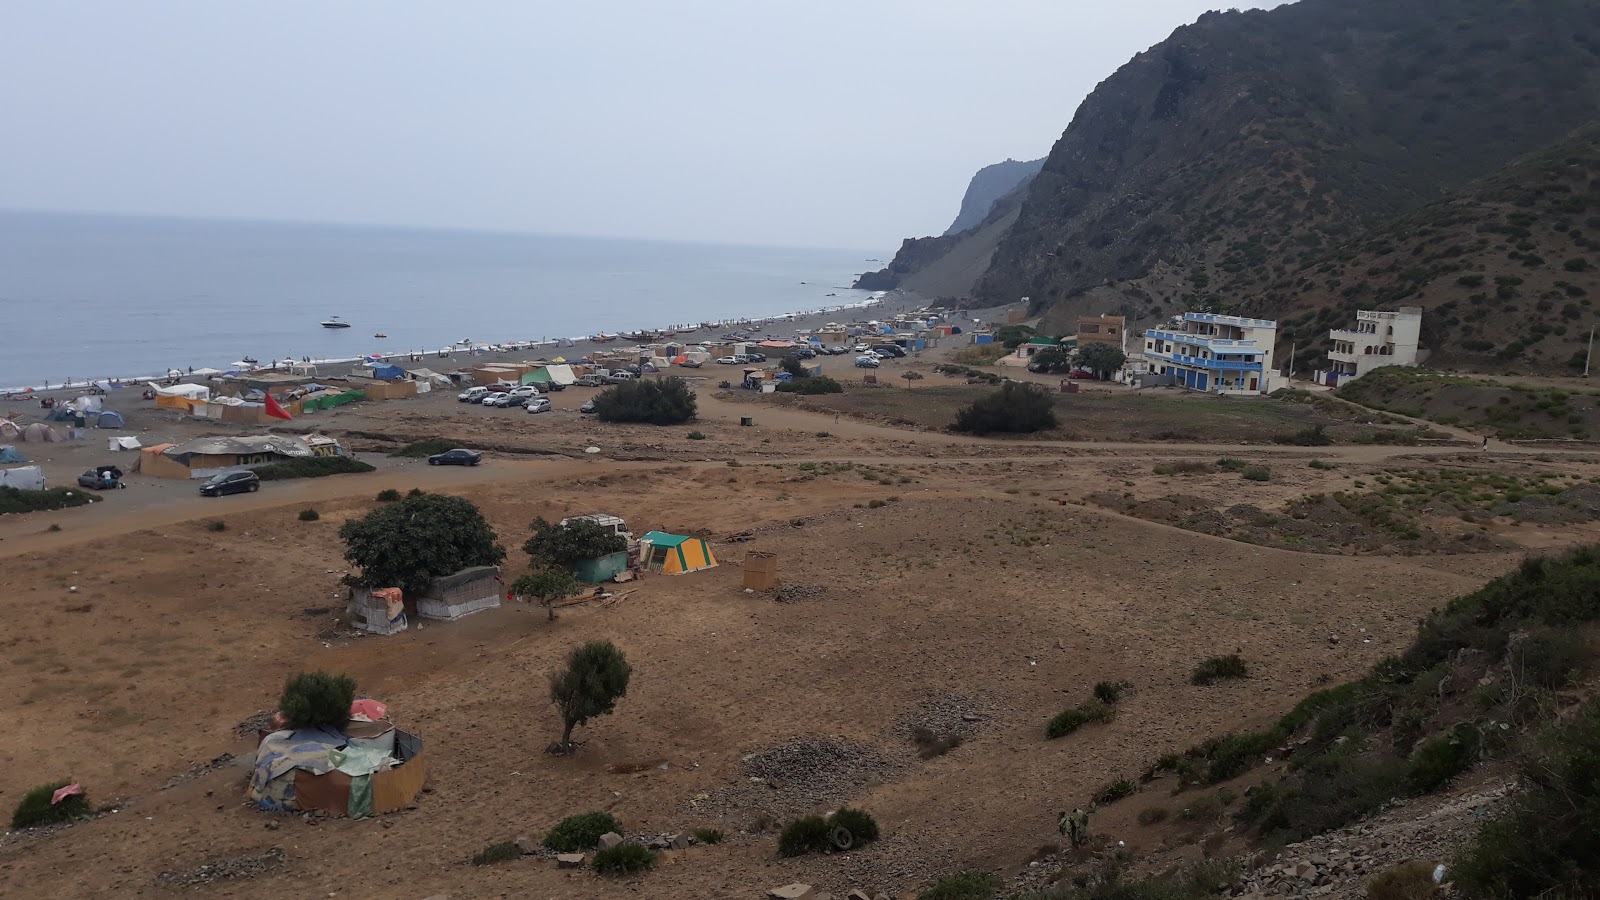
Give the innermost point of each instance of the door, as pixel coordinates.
(1253, 384)
(1200, 381)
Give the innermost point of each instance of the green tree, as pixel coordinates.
(316, 699)
(1101, 359)
(793, 366)
(910, 376)
(410, 543)
(547, 587)
(1017, 408)
(562, 546)
(664, 401)
(1010, 336)
(596, 676)
(1051, 359)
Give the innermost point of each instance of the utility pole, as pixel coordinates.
(1293, 346)
(1590, 355)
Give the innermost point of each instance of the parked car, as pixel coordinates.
(587, 407)
(881, 354)
(805, 353)
(1082, 373)
(101, 478)
(589, 381)
(894, 350)
(539, 405)
(691, 364)
(728, 361)
(868, 362)
(457, 457)
(472, 394)
(500, 401)
(546, 387)
(617, 377)
(230, 483)
(500, 388)
(527, 390)
(755, 357)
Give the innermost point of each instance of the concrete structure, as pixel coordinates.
(1108, 330)
(1214, 353)
(1380, 338)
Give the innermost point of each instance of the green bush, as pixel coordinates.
(36, 808)
(807, 834)
(312, 467)
(708, 836)
(428, 447)
(1407, 881)
(388, 495)
(424, 536)
(1310, 436)
(218, 525)
(317, 699)
(501, 852)
(696, 436)
(1257, 473)
(811, 384)
(581, 832)
(1070, 720)
(624, 859)
(1319, 464)
(1109, 692)
(1113, 791)
(1017, 408)
(862, 827)
(16, 500)
(309, 515)
(1231, 464)
(1219, 667)
(664, 401)
(1438, 761)
(969, 885)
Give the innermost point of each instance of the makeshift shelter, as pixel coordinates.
(10, 454)
(39, 432)
(601, 568)
(194, 392)
(23, 478)
(463, 593)
(111, 419)
(675, 554)
(204, 457)
(381, 611)
(387, 372)
(122, 443)
(367, 768)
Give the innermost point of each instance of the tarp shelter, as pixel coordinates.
(675, 554)
(23, 478)
(111, 419)
(463, 593)
(387, 372)
(10, 454)
(39, 432)
(366, 768)
(186, 391)
(601, 568)
(122, 443)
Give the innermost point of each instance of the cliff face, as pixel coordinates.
(1248, 142)
(987, 188)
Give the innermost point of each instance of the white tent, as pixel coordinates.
(85, 404)
(561, 373)
(206, 373)
(26, 478)
(122, 443)
(186, 391)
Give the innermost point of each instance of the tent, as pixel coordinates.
(10, 430)
(39, 432)
(675, 554)
(122, 443)
(182, 396)
(24, 478)
(387, 371)
(205, 373)
(111, 419)
(10, 454)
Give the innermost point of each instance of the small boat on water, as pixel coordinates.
(249, 359)
(603, 338)
(464, 341)
(335, 322)
(380, 335)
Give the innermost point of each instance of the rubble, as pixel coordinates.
(246, 865)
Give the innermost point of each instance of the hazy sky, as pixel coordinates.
(821, 123)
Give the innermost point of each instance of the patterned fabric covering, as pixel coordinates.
(280, 753)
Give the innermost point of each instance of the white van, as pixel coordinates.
(472, 394)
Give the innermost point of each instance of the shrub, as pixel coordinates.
(312, 467)
(1153, 815)
(1257, 473)
(595, 678)
(1437, 762)
(218, 525)
(624, 859)
(581, 832)
(969, 885)
(1070, 720)
(1165, 470)
(861, 828)
(807, 834)
(1576, 264)
(1114, 791)
(810, 385)
(708, 836)
(388, 495)
(1231, 464)
(696, 436)
(505, 850)
(309, 515)
(823, 434)
(931, 744)
(1407, 881)
(36, 808)
(1016, 408)
(1219, 667)
(665, 401)
(1110, 691)
(1310, 436)
(428, 447)
(1319, 464)
(317, 699)
(16, 500)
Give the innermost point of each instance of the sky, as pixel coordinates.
(829, 123)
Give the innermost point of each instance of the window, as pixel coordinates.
(1089, 329)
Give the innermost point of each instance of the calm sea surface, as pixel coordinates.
(102, 296)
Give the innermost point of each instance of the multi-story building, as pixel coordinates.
(1214, 353)
(1102, 330)
(1379, 339)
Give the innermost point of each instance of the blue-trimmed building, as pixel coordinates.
(1213, 353)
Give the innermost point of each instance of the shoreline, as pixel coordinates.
(891, 301)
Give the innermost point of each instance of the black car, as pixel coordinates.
(548, 387)
(230, 483)
(894, 349)
(457, 457)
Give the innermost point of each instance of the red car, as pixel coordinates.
(1082, 373)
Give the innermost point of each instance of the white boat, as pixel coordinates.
(335, 322)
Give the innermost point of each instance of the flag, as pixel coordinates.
(276, 411)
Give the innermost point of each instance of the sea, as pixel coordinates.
(91, 297)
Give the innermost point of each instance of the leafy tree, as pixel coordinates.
(565, 545)
(1011, 336)
(547, 587)
(410, 543)
(793, 366)
(910, 376)
(1016, 408)
(1051, 359)
(596, 676)
(664, 401)
(1101, 358)
(315, 699)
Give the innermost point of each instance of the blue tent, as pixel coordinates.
(388, 372)
(111, 419)
(10, 454)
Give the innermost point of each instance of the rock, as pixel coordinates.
(569, 860)
(795, 891)
(680, 841)
(857, 894)
(1303, 870)
(610, 839)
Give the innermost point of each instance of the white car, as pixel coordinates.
(498, 400)
(538, 405)
(526, 390)
(472, 394)
(729, 361)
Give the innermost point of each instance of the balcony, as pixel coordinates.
(1199, 340)
(1216, 364)
(1354, 337)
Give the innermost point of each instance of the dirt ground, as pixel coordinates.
(985, 581)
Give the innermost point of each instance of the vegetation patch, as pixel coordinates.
(1016, 408)
(969, 885)
(581, 832)
(317, 699)
(429, 447)
(500, 852)
(312, 467)
(624, 859)
(663, 401)
(1069, 720)
(36, 808)
(16, 500)
(1217, 668)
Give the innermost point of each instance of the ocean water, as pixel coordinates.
(90, 297)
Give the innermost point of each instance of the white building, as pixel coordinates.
(1213, 353)
(1379, 339)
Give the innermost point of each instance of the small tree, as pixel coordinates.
(911, 376)
(1017, 408)
(1051, 359)
(792, 365)
(547, 587)
(665, 401)
(410, 543)
(564, 545)
(596, 676)
(1101, 358)
(317, 699)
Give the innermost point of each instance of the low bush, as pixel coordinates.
(969, 885)
(1257, 473)
(388, 495)
(1114, 791)
(36, 808)
(1319, 464)
(931, 744)
(1109, 692)
(696, 436)
(1309, 436)
(708, 836)
(1231, 464)
(810, 385)
(1438, 761)
(624, 859)
(1070, 720)
(317, 699)
(581, 832)
(1407, 881)
(16, 500)
(1016, 408)
(428, 447)
(665, 401)
(312, 467)
(1219, 667)
(218, 525)
(861, 828)
(1153, 815)
(807, 834)
(309, 515)
(501, 852)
